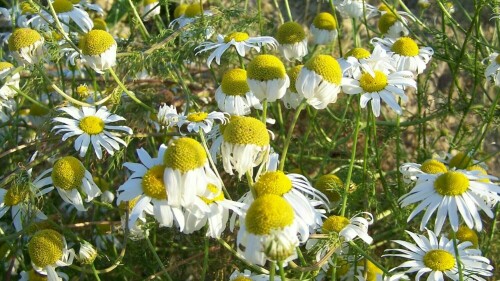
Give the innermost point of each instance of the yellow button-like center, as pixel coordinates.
(234, 82)
(5, 65)
(439, 260)
(330, 185)
(22, 38)
(27, 8)
(180, 10)
(325, 21)
(242, 278)
(327, 67)
(91, 125)
(152, 183)
(466, 234)
(68, 173)
(359, 53)
(185, 154)
(432, 166)
(214, 190)
(386, 21)
(268, 212)
(293, 73)
(197, 116)
(451, 184)
(275, 182)
(290, 33)
(100, 23)
(497, 59)
(46, 247)
(405, 46)
(246, 130)
(97, 42)
(334, 224)
(35, 276)
(266, 67)
(371, 84)
(193, 10)
(236, 36)
(460, 161)
(17, 194)
(62, 6)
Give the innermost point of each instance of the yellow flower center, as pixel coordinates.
(100, 24)
(334, 224)
(383, 8)
(290, 33)
(372, 271)
(342, 268)
(68, 173)
(147, 2)
(451, 184)
(466, 234)
(234, 82)
(481, 171)
(219, 195)
(359, 53)
(5, 65)
(371, 84)
(46, 247)
(275, 182)
(185, 154)
(82, 90)
(242, 278)
(193, 10)
(35, 276)
(432, 166)
(325, 21)
(246, 130)
(62, 6)
(97, 42)
(268, 212)
(460, 161)
(152, 183)
(266, 67)
(330, 185)
(180, 10)
(405, 46)
(27, 8)
(236, 36)
(197, 116)
(129, 205)
(386, 21)
(37, 110)
(22, 38)
(497, 59)
(439, 260)
(91, 125)
(293, 73)
(327, 67)
(17, 194)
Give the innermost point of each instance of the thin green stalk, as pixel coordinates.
(261, 24)
(334, 268)
(398, 152)
(368, 257)
(250, 184)
(29, 98)
(205, 259)
(339, 31)
(287, 6)
(282, 271)
(493, 230)
(457, 255)
(290, 133)
(486, 125)
(142, 27)
(264, 112)
(59, 26)
(157, 258)
(94, 271)
(355, 35)
(130, 94)
(282, 20)
(272, 270)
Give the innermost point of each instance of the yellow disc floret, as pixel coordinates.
(46, 247)
(91, 125)
(180, 10)
(481, 171)
(266, 67)
(466, 234)
(185, 154)
(460, 161)
(327, 67)
(246, 130)
(325, 21)
(35, 276)
(334, 224)
(97, 42)
(371, 84)
(439, 260)
(68, 173)
(82, 90)
(290, 33)
(234, 82)
(197, 116)
(242, 278)
(274, 182)
(451, 184)
(330, 185)
(372, 271)
(293, 73)
(152, 183)
(219, 195)
(100, 23)
(193, 10)
(17, 194)
(359, 53)
(268, 212)
(386, 21)
(497, 59)
(62, 6)
(27, 8)
(405, 46)
(22, 38)
(148, 2)
(5, 65)
(433, 166)
(236, 36)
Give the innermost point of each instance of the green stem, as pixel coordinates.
(459, 263)
(368, 257)
(290, 133)
(287, 6)
(157, 258)
(29, 98)
(282, 271)
(261, 25)
(96, 275)
(272, 270)
(493, 230)
(250, 184)
(130, 94)
(264, 111)
(142, 27)
(205, 259)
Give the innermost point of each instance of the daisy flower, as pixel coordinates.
(71, 179)
(186, 14)
(167, 115)
(233, 95)
(393, 26)
(241, 41)
(292, 40)
(245, 145)
(430, 166)
(47, 250)
(87, 253)
(187, 172)
(450, 193)
(147, 182)
(33, 275)
(380, 86)
(26, 46)
(93, 128)
(151, 8)
(67, 12)
(8, 79)
(354, 8)
(200, 120)
(405, 53)
(269, 231)
(324, 28)
(292, 98)
(266, 77)
(319, 81)
(349, 229)
(99, 50)
(492, 71)
(359, 60)
(439, 259)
